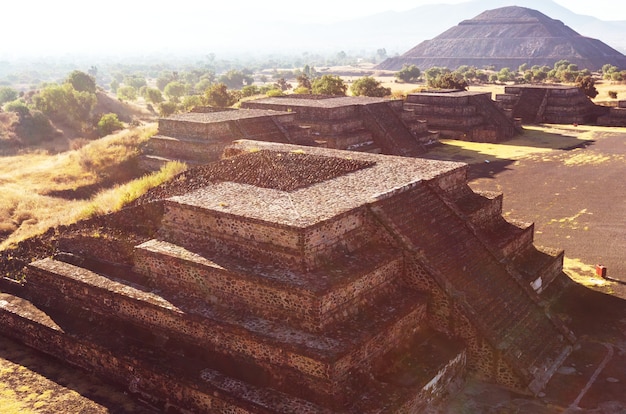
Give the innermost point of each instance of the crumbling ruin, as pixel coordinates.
(290, 279)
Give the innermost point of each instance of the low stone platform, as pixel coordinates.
(552, 104)
(468, 116)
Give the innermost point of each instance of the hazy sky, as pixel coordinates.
(49, 27)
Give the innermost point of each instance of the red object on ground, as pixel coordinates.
(601, 270)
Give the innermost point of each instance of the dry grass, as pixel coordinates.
(27, 209)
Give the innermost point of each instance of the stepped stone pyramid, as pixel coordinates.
(356, 123)
(508, 37)
(464, 115)
(553, 104)
(350, 123)
(294, 279)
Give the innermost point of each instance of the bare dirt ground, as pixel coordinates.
(569, 181)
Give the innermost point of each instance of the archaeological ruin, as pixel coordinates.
(551, 104)
(298, 279)
(350, 123)
(464, 115)
(508, 37)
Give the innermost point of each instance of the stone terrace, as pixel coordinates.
(304, 279)
(356, 123)
(552, 104)
(200, 137)
(469, 116)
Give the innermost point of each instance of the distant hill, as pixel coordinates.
(508, 37)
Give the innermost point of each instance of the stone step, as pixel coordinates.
(539, 266)
(147, 363)
(312, 300)
(155, 162)
(438, 110)
(321, 361)
(507, 237)
(198, 222)
(194, 149)
(348, 140)
(261, 129)
(428, 366)
(100, 348)
(480, 208)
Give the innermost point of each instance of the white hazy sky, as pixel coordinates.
(45, 26)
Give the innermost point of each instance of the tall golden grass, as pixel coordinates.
(27, 209)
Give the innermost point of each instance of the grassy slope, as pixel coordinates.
(41, 190)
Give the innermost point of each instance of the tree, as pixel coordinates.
(93, 71)
(304, 81)
(329, 85)
(368, 86)
(250, 90)
(175, 90)
(219, 96)
(127, 93)
(64, 103)
(202, 85)
(153, 95)
(167, 108)
(282, 84)
(235, 79)
(18, 106)
(587, 85)
(192, 101)
(165, 78)
(505, 75)
(408, 73)
(114, 85)
(7, 94)
(109, 123)
(448, 81)
(135, 81)
(81, 81)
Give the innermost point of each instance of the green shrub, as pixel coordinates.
(613, 94)
(274, 92)
(109, 123)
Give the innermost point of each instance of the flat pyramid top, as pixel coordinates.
(320, 101)
(301, 186)
(224, 116)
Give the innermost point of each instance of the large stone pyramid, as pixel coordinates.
(508, 37)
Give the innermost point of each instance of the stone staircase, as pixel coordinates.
(261, 129)
(468, 271)
(390, 132)
(529, 105)
(499, 123)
